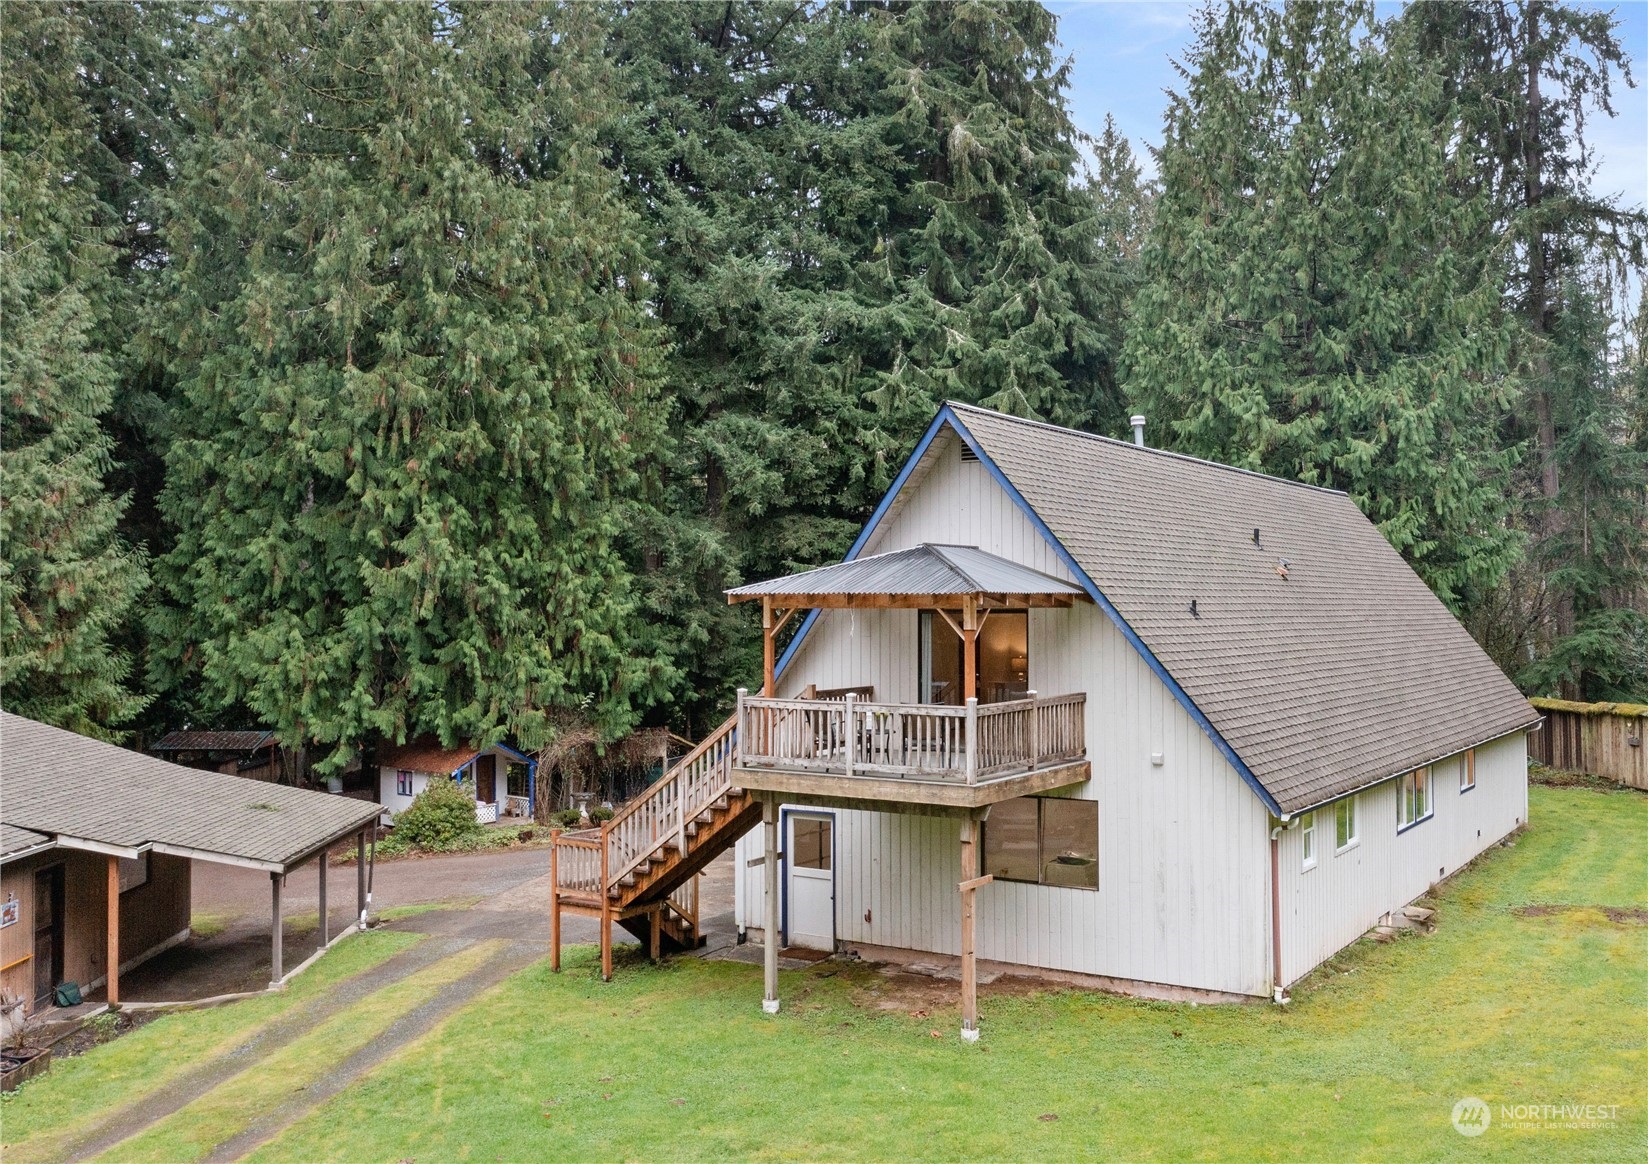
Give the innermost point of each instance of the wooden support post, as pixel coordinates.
(275, 880)
(606, 911)
(360, 878)
(555, 900)
(851, 723)
(971, 743)
(1035, 731)
(114, 931)
(969, 647)
(655, 937)
(769, 821)
(769, 653)
(969, 961)
(325, 926)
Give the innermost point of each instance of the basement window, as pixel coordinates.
(1044, 840)
(1467, 771)
(1344, 825)
(1413, 798)
(1307, 840)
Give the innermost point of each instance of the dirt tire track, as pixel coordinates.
(136, 1117)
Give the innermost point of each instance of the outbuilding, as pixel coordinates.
(99, 844)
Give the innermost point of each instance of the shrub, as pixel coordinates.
(442, 814)
(569, 818)
(597, 815)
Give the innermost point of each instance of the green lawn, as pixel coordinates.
(677, 1062)
(81, 1091)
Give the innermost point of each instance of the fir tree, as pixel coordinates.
(858, 212)
(67, 581)
(1524, 79)
(1318, 301)
(416, 383)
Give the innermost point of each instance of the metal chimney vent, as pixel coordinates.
(1138, 429)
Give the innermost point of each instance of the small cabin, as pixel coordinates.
(501, 780)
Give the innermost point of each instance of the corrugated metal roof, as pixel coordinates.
(923, 569)
(212, 741)
(1346, 671)
(19, 840)
(54, 781)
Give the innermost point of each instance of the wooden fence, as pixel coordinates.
(1604, 739)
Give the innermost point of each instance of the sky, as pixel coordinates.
(1122, 52)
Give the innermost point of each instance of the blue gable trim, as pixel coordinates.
(947, 416)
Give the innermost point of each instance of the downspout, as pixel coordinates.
(1279, 995)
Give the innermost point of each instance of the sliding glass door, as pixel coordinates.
(1003, 657)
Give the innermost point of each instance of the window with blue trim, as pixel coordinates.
(403, 782)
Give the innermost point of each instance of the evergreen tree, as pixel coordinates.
(67, 581)
(416, 384)
(1318, 302)
(1524, 78)
(858, 212)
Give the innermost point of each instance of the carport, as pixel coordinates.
(82, 798)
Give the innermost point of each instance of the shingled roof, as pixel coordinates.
(1346, 671)
(89, 793)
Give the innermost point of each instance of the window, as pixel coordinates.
(403, 782)
(1307, 840)
(134, 871)
(810, 843)
(1344, 824)
(1044, 840)
(1003, 657)
(1467, 771)
(1413, 798)
(516, 779)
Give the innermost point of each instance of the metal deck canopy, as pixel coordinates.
(941, 578)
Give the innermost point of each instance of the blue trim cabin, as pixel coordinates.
(1079, 705)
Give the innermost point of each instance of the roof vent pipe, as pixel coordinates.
(1138, 429)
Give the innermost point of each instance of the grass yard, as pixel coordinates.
(80, 1091)
(1513, 1005)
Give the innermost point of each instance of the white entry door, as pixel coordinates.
(809, 888)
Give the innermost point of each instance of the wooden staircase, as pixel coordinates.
(640, 869)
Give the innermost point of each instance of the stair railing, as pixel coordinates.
(660, 814)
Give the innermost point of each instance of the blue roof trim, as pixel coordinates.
(947, 416)
(870, 527)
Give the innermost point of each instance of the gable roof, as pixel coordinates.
(1347, 671)
(1344, 673)
(91, 794)
(425, 754)
(207, 741)
(922, 571)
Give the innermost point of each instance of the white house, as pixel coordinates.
(1220, 726)
(500, 778)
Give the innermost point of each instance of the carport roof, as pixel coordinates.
(93, 795)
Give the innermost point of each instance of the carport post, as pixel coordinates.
(113, 994)
(274, 905)
(324, 928)
(360, 877)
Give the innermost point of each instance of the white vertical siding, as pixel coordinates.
(1182, 897)
(1331, 905)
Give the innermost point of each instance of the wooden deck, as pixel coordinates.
(851, 750)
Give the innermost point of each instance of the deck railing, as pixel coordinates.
(854, 737)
